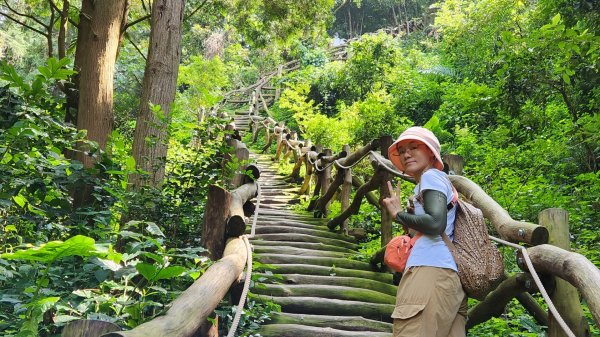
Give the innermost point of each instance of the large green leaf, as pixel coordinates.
(152, 273)
(76, 246)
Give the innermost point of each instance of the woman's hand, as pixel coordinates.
(392, 204)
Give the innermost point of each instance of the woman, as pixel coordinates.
(430, 299)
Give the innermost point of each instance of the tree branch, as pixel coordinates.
(22, 24)
(340, 6)
(53, 5)
(25, 15)
(145, 17)
(63, 14)
(195, 10)
(135, 46)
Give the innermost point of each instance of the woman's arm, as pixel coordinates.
(433, 222)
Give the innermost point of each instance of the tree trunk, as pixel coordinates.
(151, 137)
(62, 32)
(100, 24)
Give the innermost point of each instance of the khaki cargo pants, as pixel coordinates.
(430, 303)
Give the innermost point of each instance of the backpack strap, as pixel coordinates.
(454, 200)
(451, 246)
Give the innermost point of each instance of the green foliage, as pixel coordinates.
(205, 78)
(35, 189)
(254, 314)
(373, 117)
(329, 131)
(469, 104)
(514, 322)
(370, 58)
(54, 250)
(89, 280)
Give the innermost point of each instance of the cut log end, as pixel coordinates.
(539, 236)
(236, 226)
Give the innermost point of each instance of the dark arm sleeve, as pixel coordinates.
(433, 222)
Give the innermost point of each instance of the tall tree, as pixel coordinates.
(151, 136)
(100, 26)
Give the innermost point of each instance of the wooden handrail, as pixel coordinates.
(571, 267)
(508, 228)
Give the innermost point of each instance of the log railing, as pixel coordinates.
(554, 263)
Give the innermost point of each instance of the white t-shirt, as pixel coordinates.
(431, 250)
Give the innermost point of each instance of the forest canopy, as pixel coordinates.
(107, 146)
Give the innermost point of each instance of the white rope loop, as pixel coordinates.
(538, 282)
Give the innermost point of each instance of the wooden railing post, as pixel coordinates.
(319, 174)
(268, 139)
(386, 218)
(309, 158)
(346, 188)
(326, 178)
(216, 213)
(455, 163)
(565, 296)
(329, 187)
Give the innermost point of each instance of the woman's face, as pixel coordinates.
(415, 157)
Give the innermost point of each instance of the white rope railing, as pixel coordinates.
(539, 284)
(240, 307)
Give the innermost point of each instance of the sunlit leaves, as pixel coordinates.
(153, 273)
(52, 251)
(56, 69)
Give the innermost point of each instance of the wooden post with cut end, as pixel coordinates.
(215, 216)
(508, 228)
(565, 297)
(386, 218)
(455, 163)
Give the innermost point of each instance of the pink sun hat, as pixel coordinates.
(422, 135)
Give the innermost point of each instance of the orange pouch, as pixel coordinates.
(398, 250)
